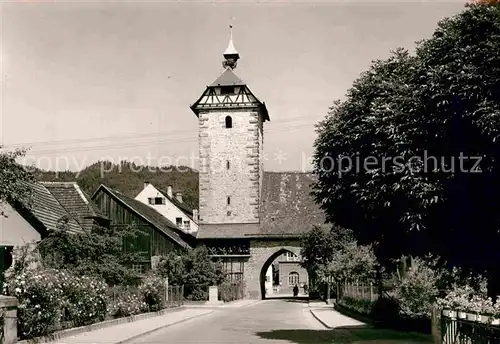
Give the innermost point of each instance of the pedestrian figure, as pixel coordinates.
(295, 290)
(306, 289)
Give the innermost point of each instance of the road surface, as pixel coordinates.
(269, 321)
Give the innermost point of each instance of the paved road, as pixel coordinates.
(269, 321)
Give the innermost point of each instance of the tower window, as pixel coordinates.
(228, 200)
(227, 164)
(229, 122)
(227, 90)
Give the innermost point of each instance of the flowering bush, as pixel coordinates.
(465, 299)
(152, 290)
(125, 302)
(457, 299)
(416, 292)
(84, 299)
(40, 298)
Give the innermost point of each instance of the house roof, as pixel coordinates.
(45, 209)
(287, 209)
(150, 215)
(182, 206)
(227, 78)
(76, 202)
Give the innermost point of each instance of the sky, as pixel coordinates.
(89, 81)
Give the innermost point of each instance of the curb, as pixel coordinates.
(56, 336)
(160, 328)
(319, 319)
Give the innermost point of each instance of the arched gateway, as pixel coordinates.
(246, 215)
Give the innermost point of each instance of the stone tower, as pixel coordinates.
(231, 122)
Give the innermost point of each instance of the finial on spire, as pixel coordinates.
(231, 55)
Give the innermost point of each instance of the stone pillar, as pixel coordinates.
(213, 295)
(9, 305)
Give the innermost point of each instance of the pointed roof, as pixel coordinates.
(227, 78)
(231, 50)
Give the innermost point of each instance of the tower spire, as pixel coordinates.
(231, 56)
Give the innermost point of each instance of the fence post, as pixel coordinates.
(436, 325)
(9, 304)
(166, 290)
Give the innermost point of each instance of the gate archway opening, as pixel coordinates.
(280, 273)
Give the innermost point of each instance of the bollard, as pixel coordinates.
(9, 304)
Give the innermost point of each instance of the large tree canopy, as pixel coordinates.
(410, 159)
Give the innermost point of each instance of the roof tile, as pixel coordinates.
(153, 217)
(287, 209)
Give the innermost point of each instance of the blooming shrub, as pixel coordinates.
(40, 298)
(125, 302)
(152, 290)
(417, 291)
(84, 299)
(465, 299)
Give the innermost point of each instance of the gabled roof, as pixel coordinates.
(45, 209)
(76, 202)
(227, 78)
(182, 206)
(287, 209)
(150, 215)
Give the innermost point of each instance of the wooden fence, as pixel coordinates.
(359, 291)
(452, 327)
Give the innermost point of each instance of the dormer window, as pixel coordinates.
(159, 200)
(229, 122)
(225, 90)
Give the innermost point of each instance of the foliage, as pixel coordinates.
(417, 291)
(317, 249)
(15, 179)
(192, 268)
(129, 178)
(126, 301)
(352, 262)
(100, 252)
(361, 306)
(466, 299)
(231, 291)
(153, 292)
(40, 297)
(84, 299)
(407, 123)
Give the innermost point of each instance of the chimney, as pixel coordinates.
(178, 195)
(195, 215)
(169, 191)
(146, 184)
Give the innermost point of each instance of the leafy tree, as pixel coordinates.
(15, 179)
(100, 252)
(352, 263)
(405, 127)
(317, 249)
(192, 268)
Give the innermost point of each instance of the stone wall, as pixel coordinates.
(240, 146)
(262, 254)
